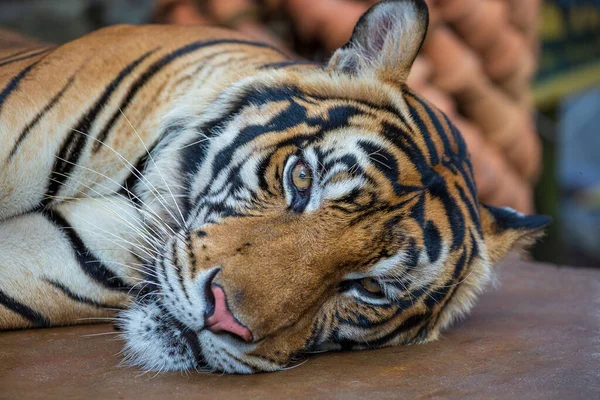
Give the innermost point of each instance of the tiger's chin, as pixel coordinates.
(155, 341)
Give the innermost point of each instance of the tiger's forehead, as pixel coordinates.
(393, 112)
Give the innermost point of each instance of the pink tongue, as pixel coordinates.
(223, 320)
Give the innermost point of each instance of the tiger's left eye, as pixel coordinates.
(371, 285)
(301, 177)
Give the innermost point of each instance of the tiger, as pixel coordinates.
(231, 208)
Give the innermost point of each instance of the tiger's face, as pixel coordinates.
(324, 209)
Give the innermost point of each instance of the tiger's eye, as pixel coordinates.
(301, 177)
(371, 285)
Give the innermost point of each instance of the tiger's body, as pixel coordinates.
(241, 206)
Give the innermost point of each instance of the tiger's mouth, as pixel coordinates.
(159, 337)
(157, 341)
(191, 338)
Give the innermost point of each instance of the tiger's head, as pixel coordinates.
(323, 209)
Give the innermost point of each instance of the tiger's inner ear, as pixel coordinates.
(385, 41)
(503, 228)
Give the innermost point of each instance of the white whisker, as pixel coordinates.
(138, 174)
(158, 170)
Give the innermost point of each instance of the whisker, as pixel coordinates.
(100, 334)
(96, 319)
(144, 250)
(157, 169)
(147, 239)
(378, 161)
(189, 145)
(127, 191)
(111, 201)
(132, 169)
(295, 366)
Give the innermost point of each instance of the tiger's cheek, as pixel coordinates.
(304, 336)
(282, 346)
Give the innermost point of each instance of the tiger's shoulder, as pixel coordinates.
(86, 87)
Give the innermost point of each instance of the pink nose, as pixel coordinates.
(223, 320)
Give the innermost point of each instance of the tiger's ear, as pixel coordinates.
(504, 228)
(385, 41)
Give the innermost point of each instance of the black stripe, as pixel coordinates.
(387, 165)
(433, 182)
(406, 325)
(27, 50)
(163, 270)
(76, 139)
(264, 95)
(470, 205)
(474, 247)
(78, 298)
(25, 57)
(39, 116)
(192, 340)
(14, 84)
(439, 293)
(136, 173)
(191, 254)
(458, 138)
(155, 68)
(439, 129)
(315, 335)
(357, 317)
(93, 267)
(405, 142)
(26, 312)
(448, 290)
(416, 117)
(264, 181)
(456, 219)
(18, 53)
(432, 241)
(175, 262)
(283, 64)
(463, 158)
(418, 210)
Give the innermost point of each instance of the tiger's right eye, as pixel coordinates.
(301, 177)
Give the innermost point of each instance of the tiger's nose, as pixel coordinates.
(222, 320)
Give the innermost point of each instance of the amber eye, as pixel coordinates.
(301, 177)
(371, 285)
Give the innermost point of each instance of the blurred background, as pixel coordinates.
(520, 78)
